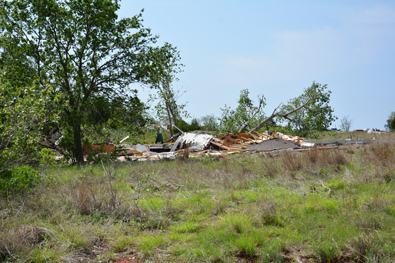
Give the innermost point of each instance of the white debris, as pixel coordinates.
(196, 141)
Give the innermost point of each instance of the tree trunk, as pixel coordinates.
(175, 117)
(78, 154)
(169, 116)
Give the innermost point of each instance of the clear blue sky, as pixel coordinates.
(278, 48)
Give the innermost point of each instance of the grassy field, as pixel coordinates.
(335, 205)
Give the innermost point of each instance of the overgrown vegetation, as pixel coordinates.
(334, 205)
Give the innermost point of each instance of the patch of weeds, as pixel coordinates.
(330, 206)
(245, 247)
(335, 184)
(187, 227)
(369, 221)
(148, 243)
(326, 252)
(376, 203)
(155, 221)
(205, 250)
(78, 237)
(337, 158)
(219, 208)
(350, 151)
(366, 244)
(178, 250)
(22, 238)
(292, 161)
(122, 244)
(237, 223)
(273, 253)
(390, 210)
(380, 153)
(265, 213)
(45, 254)
(270, 169)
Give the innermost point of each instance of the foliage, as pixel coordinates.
(209, 123)
(391, 122)
(316, 116)
(245, 113)
(15, 181)
(81, 49)
(47, 158)
(168, 108)
(23, 116)
(188, 127)
(346, 123)
(116, 112)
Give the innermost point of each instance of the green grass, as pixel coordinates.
(322, 206)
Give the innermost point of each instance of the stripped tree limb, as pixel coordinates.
(275, 114)
(300, 124)
(252, 112)
(329, 190)
(298, 108)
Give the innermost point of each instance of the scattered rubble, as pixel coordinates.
(190, 145)
(196, 144)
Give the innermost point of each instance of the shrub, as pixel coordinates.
(18, 180)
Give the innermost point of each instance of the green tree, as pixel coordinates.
(245, 116)
(23, 115)
(168, 109)
(81, 49)
(194, 126)
(310, 111)
(209, 123)
(115, 113)
(391, 122)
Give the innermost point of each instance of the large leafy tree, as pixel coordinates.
(304, 114)
(81, 49)
(310, 111)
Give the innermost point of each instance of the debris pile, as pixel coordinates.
(198, 144)
(144, 153)
(195, 144)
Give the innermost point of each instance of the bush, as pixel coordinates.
(16, 181)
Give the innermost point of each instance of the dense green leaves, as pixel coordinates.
(21, 178)
(317, 115)
(245, 116)
(23, 113)
(83, 51)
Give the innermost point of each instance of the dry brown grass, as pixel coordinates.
(379, 154)
(291, 161)
(16, 239)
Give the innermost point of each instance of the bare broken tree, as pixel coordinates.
(277, 114)
(346, 123)
(168, 103)
(253, 111)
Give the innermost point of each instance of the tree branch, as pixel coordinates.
(274, 114)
